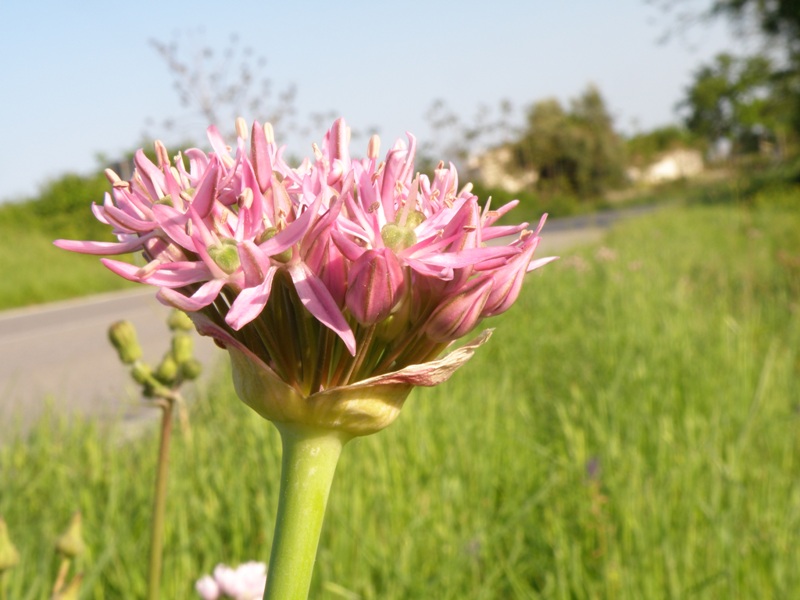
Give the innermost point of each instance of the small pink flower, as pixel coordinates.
(208, 588)
(245, 582)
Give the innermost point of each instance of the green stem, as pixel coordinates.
(159, 503)
(308, 465)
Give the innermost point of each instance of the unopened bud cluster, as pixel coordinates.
(176, 366)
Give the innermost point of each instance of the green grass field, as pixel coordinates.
(631, 431)
(35, 271)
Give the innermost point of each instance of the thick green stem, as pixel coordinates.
(159, 503)
(309, 462)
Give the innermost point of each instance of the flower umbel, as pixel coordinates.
(326, 282)
(334, 286)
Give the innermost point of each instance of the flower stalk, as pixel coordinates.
(160, 501)
(160, 385)
(308, 464)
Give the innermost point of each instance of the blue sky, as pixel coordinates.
(80, 79)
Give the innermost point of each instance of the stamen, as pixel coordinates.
(241, 128)
(112, 176)
(161, 153)
(378, 171)
(246, 198)
(269, 133)
(148, 269)
(374, 147)
(115, 180)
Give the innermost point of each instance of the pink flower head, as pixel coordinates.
(331, 283)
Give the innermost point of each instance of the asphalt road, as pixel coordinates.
(58, 355)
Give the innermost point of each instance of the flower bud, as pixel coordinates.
(225, 255)
(268, 234)
(9, 557)
(398, 238)
(413, 218)
(167, 370)
(122, 335)
(179, 321)
(142, 373)
(458, 314)
(507, 280)
(397, 323)
(374, 286)
(182, 347)
(191, 369)
(70, 544)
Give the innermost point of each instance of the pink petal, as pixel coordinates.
(319, 302)
(103, 247)
(204, 296)
(177, 274)
(467, 258)
(259, 157)
(122, 219)
(205, 194)
(250, 302)
(295, 231)
(540, 262)
(151, 176)
(173, 223)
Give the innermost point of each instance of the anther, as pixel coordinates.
(241, 128)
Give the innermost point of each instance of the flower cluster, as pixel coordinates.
(323, 281)
(245, 582)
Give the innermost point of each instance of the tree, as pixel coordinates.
(740, 99)
(777, 19)
(778, 24)
(575, 151)
(459, 138)
(219, 84)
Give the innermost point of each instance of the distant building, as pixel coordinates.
(495, 169)
(675, 164)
